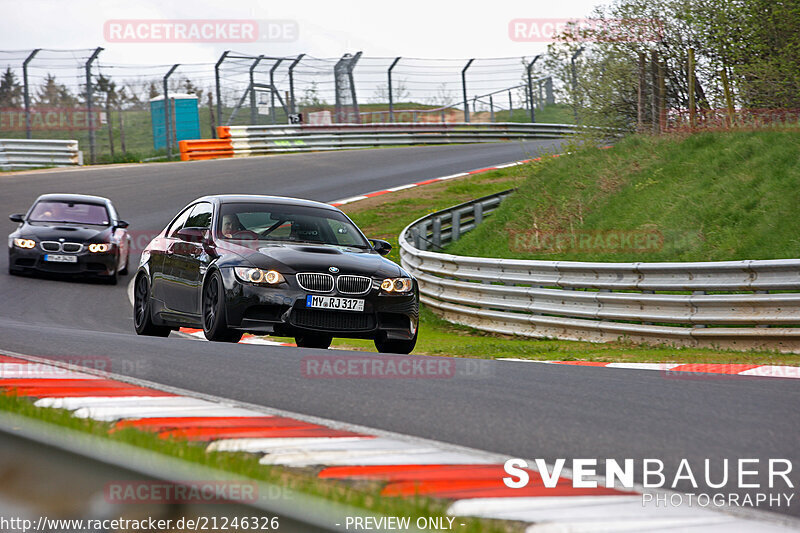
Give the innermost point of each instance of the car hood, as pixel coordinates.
(44, 231)
(291, 258)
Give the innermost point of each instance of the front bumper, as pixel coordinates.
(88, 263)
(282, 311)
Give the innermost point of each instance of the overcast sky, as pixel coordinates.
(327, 28)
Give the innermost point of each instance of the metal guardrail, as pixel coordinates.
(724, 304)
(246, 141)
(20, 154)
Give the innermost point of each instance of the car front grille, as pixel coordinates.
(333, 320)
(353, 284)
(314, 282)
(67, 247)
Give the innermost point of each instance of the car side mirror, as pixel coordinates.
(17, 218)
(199, 235)
(380, 246)
(122, 224)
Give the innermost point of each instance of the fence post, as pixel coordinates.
(510, 107)
(491, 108)
(690, 83)
(293, 107)
(640, 95)
(464, 88)
(575, 82)
(391, 98)
(530, 87)
(26, 89)
(728, 98)
(654, 101)
(272, 89)
(167, 112)
(253, 114)
(219, 88)
(88, 68)
(350, 67)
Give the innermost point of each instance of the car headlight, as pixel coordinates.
(397, 285)
(98, 248)
(258, 276)
(24, 243)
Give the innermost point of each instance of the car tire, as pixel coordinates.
(384, 345)
(312, 340)
(142, 320)
(215, 325)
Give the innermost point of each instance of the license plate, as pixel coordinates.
(61, 258)
(332, 302)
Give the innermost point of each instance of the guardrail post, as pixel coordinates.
(293, 106)
(437, 232)
(423, 236)
(88, 68)
(218, 86)
(530, 87)
(26, 93)
(272, 89)
(464, 89)
(253, 114)
(391, 98)
(455, 231)
(477, 215)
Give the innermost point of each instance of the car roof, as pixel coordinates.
(85, 198)
(264, 199)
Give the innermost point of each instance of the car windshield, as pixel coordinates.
(69, 212)
(287, 223)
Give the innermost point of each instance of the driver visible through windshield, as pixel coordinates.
(287, 223)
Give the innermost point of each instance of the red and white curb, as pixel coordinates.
(470, 479)
(352, 199)
(677, 369)
(247, 338)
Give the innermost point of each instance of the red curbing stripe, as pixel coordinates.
(487, 169)
(190, 330)
(486, 487)
(7, 359)
(209, 434)
(426, 182)
(414, 472)
(714, 368)
(180, 422)
(73, 392)
(582, 363)
(63, 383)
(264, 424)
(376, 193)
(501, 491)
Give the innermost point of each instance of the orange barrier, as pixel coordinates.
(199, 149)
(224, 132)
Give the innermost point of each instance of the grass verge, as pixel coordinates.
(385, 216)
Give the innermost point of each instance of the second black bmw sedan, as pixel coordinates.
(272, 265)
(70, 234)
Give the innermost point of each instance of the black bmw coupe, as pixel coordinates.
(272, 265)
(70, 234)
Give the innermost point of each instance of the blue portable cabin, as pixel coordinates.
(185, 119)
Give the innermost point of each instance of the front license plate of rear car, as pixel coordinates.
(332, 302)
(60, 258)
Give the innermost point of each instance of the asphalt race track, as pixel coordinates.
(520, 409)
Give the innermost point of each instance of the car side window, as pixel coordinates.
(179, 222)
(200, 217)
